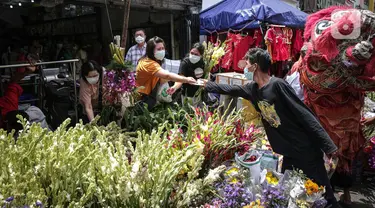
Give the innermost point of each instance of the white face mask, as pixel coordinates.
(139, 39)
(194, 59)
(92, 80)
(159, 55)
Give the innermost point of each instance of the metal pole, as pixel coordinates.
(38, 64)
(172, 37)
(75, 92)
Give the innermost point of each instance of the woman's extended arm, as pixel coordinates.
(164, 74)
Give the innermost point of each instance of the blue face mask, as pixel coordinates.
(248, 75)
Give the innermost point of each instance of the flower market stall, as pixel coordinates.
(173, 156)
(176, 165)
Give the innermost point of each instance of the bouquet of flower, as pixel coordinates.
(119, 86)
(211, 57)
(303, 192)
(119, 77)
(233, 190)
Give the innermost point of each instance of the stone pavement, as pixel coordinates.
(363, 193)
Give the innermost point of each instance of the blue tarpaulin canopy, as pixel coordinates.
(237, 14)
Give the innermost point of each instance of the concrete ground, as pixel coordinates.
(363, 192)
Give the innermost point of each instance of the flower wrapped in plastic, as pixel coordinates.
(304, 191)
(271, 178)
(330, 165)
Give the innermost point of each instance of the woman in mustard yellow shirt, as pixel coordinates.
(150, 74)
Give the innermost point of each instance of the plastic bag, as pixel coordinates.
(251, 160)
(269, 161)
(162, 95)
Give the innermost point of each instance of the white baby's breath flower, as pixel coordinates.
(2, 137)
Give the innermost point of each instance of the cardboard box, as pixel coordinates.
(231, 78)
(222, 79)
(238, 80)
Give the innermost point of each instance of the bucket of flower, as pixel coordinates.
(251, 160)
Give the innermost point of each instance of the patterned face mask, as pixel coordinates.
(248, 75)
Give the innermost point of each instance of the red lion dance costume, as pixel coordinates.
(335, 73)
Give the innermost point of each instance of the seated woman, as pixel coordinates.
(91, 74)
(191, 66)
(150, 74)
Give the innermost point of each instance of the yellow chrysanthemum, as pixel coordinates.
(234, 180)
(231, 171)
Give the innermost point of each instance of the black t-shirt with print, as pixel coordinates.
(291, 127)
(188, 69)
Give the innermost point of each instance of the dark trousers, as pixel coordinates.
(315, 170)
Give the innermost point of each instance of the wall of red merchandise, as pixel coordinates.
(274, 40)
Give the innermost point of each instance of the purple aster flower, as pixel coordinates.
(9, 199)
(39, 204)
(320, 203)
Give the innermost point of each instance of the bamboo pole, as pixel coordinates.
(125, 23)
(371, 5)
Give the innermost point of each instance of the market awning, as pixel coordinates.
(230, 14)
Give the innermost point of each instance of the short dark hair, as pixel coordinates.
(199, 47)
(259, 56)
(140, 29)
(88, 67)
(12, 120)
(150, 48)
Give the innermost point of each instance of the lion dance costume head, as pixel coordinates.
(337, 66)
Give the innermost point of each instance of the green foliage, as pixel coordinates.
(140, 118)
(371, 95)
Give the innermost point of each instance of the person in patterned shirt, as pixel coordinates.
(137, 51)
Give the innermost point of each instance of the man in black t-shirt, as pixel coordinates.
(291, 127)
